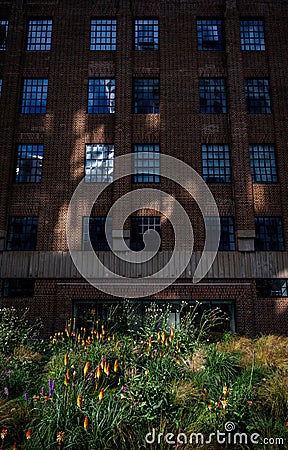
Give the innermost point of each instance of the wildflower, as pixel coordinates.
(14, 446)
(66, 359)
(172, 333)
(225, 389)
(86, 423)
(26, 397)
(224, 404)
(204, 391)
(163, 337)
(286, 424)
(28, 434)
(101, 394)
(98, 371)
(250, 403)
(4, 433)
(43, 390)
(103, 361)
(6, 391)
(80, 401)
(68, 374)
(51, 387)
(219, 383)
(66, 380)
(146, 372)
(158, 335)
(210, 407)
(86, 368)
(150, 342)
(152, 355)
(116, 365)
(107, 368)
(124, 388)
(177, 345)
(60, 438)
(178, 361)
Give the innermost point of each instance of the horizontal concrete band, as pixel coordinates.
(59, 265)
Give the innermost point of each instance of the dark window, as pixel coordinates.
(146, 34)
(139, 225)
(103, 34)
(212, 93)
(216, 163)
(252, 34)
(226, 313)
(227, 233)
(257, 96)
(209, 34)
(101, 96)
(269, 234)
(3, 34)
(29, 163)
(0, 86)
(263, 163)
(34, 96)
(18, 287)
(146, 163)
(39, 34)
(22, 233)
(99, 163)
(146, 96)
(94, 227)
(271, 288)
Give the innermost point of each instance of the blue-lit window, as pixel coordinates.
(29, 163)
(146, 34)
(263, 163)
(146, 163)
(139, 225)
(212, 92)
(0, 86)
(39, 34)
(34, 96)
(146, 96)
(216, 163)
(257, 94)
(252, 34)
(3, 34)
(103, 34)
(94, 227)
(18, 287)
(101, 96)
(269, 234)
(99, 163)
(210, 34)
(271, 287)
(22, 233)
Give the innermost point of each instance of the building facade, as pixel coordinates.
(83, 82)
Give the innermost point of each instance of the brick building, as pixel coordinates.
(83, 82)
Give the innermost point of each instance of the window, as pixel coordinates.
(29, 163)
(227, 234)
(99, 163)
(0, 86)
(146, 163)
(269, 234)
(263, 163)
(101, 96)
(3, 34)
(216, 163)
(252, 35)
(257, 96)
(34, 97)
(271, 288)
(39, 34)
(18, 287)
(95, 228)
(212, 93)
(206, 307)
(103, 34)
(138, 227)
(209, 34)
(146, 34)
(146, 96)
(22, 233)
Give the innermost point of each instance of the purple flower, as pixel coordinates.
(51, 387)
(26, 397)
(219, 383)
(124, 388)
(6, 391)
(43, 390)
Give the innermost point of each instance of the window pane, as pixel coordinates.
(138, 227)
(146, 163)
(212, 92)
(146, 34)
(95, 228)
(146, 96)
(103, 34)
(99, 163)
(216, 163)
(39, 34)
(29, 163)
(252, 35)
(34, 96)
(269, 234)
(257, 96)
(18, 287)
(3, 34)
(209, 34)
(271, 288)
(22, 233)
(101, 96)
(263, 163)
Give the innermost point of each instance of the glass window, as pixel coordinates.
(138, 227)
(216, 163)
(146, 34)
(18, 287)
(205, 308)
(95, 228)
(263, 163)
(252, 34)
(101, 96)
(3, 34)
(271, 288)
(34, 96)
(99, 163)
(212, 93)
(0, 86)
(39, 34)
(103, 34)
(146, 94)
(29, 163)
(22, 233)
(146, 163)
(209, 34)
(257, 94)
(227, 233)
(269, 234)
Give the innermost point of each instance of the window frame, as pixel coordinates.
(261, 108)
(103, 244)
(26, 107)
(208, 87)
(135, 244)
(271, 172)
(251, 43)
(201, 32)
(4, 23)
(267, 284)
(96, 107)
(45, 34)
(270, 244)
(215, 150)
(27, 241)
(38, 168)
(152, 45)
(93, 177)
(153, 163)
(113, 41)
(150, 105)
(16, 291)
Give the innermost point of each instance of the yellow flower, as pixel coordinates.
(210, 407)
(86, 368)
(163, 337)
(158, 335)
(107, 368)
(101, 393)
(116, 365)
(225, 389)
(28, 434)
(146, 372)
(68, 374)
(224, 404)
(66, 380)
(150, 342)
(80, 401)
(4, 433)
(86, 423)
(60, 438)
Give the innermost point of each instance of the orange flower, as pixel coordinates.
(179, 361)
(66, 359)
(172, 333)
(225, 389)
(4, 433)
(107, 368)
(86, 368)
(60, 438)
(28, 434)
(14, 446)
(98, 372)
(158, 335)
(150, 342)
(103, 361)
(86, 423)
(286, 424)
(80, 401)
(68, 374)
(146, 372)
(210, 407)
(66, 380)
(163, 337)
(116, 365)
(101, 393)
